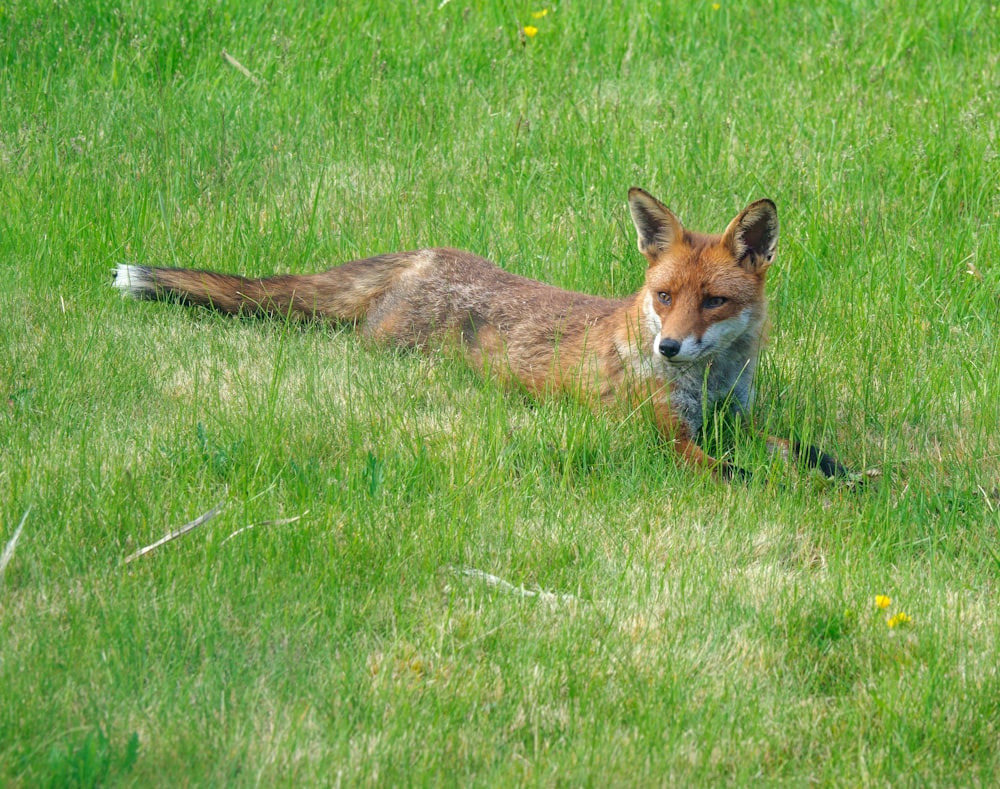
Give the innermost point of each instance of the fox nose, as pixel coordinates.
(670, 348)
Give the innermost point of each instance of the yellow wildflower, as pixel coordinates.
(540, 14)
(530, 31)
(898, 619)
(716, 6)
(883, 601)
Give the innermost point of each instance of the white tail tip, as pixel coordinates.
(135, 281)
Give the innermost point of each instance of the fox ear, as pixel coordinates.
(753, 235)
(657, 227)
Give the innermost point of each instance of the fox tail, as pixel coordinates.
(344, 293)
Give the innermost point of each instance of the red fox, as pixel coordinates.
(685, 343)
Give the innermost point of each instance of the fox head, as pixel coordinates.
(703, 293)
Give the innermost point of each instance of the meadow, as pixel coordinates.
(416, 576)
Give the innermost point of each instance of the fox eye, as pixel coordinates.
(712, 302)
(664, 297)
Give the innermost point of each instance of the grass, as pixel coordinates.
(715, 633)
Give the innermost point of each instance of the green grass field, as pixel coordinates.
(359, 613)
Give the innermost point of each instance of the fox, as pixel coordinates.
(684, 345)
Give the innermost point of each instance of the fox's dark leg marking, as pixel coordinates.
(808, 455)
(815, 458)
(732, 473)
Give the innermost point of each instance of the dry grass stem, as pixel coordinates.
(494, 580)
(8, 551)
(241, 68)
(199, 521)
(278, 522)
